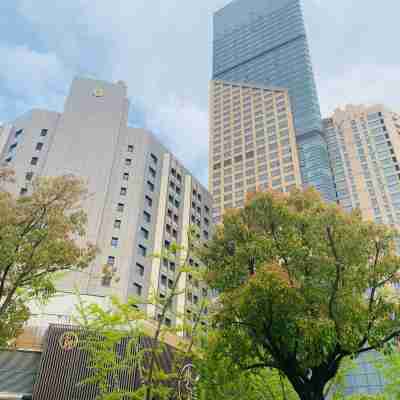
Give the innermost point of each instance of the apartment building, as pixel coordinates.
(364, 149)
(141, 198)
(252, 143)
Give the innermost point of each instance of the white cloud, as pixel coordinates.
(361, 84)
(32, 77)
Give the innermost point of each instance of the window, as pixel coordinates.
(117, 224)
(128, 161)
(176, 218)
(170, 283)
(163, 280)
(106, 280)
(130, 148)
(114, 242)
(146, 216)
(34, 160)
(23, 191)
(125, 176)
(149, 201)
(19, 132)
(144, 232)
(29, 176)
(179, 177)
(138, 289)
(154, 158)
(177, 203)
(152, 172)
(123, 191)
(172, 266)
(140, 269)
(39, 146)
(111, 261)
(167, 244)
(142, 250)
(168, 228)
(120, 207)
(150, 186)
(44, 132)
(174, 233)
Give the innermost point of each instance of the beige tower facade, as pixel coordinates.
(252, 143)
(364, 149)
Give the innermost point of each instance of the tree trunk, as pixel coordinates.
(312, 389)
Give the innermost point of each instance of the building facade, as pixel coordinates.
(141, 198)
(264, 43)
(252, 143)
(364, 148)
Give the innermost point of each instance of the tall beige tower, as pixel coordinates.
(364, 148)
(252, 143)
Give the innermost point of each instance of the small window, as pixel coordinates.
(29, 176)
(44, 132)
(12, 147)
(142, 250)
(179, 177)
(205, 234)
(106, 281)
(34, 160)
(120, 207)
(117, 224)
(138, 289)
(167, 244)
(174, 233)
(140, 269)
(169, 213)
(163, 280)
(23, 191)
(144, 232)
(149, 201)
(178, 190)
(170, 283)
(39, 146)
(130, 148)
(111, 261)
(177, 203)
(172, 266)
(146, 216)
(154, 158)
(123, 191)
(204, 291)
(19, 132)
(128, 161)
(176, 218)
(114, 242)
(152, 172)
(150, 186)
(125, 176)
(206, 209)
(171, 198)
(173, 171)
(168, 228)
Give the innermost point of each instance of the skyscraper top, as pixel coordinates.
(242, 12)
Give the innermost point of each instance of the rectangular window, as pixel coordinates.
(163, 280)
(39, 146)
(34, 160)
(125, 176)
(138, 289)
(146, 216)
(140, 269)
(154, 158)
(150, 186)
(29, 176)
(111, 261)
(149, 201)
(152, 172)
(44, 132)
(128, 161)
(142, 250)
(130, 148)
(114, 242)
(123, 191)
(120, 207)
(144, 232)
(117, 224)
(19, 132)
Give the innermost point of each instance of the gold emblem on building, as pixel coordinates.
(68, 340)
(98, 92)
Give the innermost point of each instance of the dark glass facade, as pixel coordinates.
(264, 42)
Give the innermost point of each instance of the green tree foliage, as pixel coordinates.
(104, 331)
(39, 236)
(302, 285)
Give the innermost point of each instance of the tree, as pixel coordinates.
(39, 236)
(302, 285)
(105, 330)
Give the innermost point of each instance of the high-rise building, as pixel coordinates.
(141, 197)
(364, 148)
(252, 143)
(264, 42)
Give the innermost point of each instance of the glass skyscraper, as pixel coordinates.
(264, 42)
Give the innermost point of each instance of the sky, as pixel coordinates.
(162, 49)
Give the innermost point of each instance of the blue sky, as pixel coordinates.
(162, 50)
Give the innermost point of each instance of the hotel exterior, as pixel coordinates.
(252, 143)
(141, 198)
